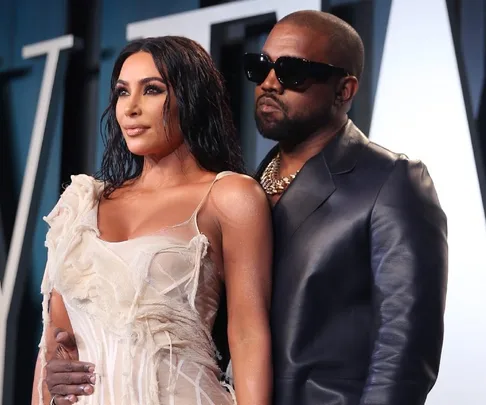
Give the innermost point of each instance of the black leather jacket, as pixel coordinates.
(360, 274)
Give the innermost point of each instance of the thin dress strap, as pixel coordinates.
(219, 176)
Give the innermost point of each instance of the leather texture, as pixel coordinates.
(360, 277)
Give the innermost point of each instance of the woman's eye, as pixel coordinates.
(152, 89)
(120, 91)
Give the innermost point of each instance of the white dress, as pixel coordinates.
(142, 310)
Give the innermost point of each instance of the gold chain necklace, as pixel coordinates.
(270, 181)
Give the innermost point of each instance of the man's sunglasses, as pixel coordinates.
(290, 71)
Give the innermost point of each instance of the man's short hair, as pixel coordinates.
(345, 49)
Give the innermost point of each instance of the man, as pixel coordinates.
(360, 263)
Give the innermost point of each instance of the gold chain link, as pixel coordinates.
(270, 181)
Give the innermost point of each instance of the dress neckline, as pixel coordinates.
(159, 232)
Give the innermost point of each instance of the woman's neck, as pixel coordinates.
(178, 167)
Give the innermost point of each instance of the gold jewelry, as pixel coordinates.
(270, 181)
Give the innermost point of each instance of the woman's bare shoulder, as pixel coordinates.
(239, 197)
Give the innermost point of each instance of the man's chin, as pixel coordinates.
(279, 130)
(270, 130)
(276, 133)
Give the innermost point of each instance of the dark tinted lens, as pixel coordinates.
(291, 71)
(256, 67)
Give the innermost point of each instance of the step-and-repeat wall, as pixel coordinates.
(423, 94)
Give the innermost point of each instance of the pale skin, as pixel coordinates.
(235, 218)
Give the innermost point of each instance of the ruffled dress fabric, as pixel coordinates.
(142, 310)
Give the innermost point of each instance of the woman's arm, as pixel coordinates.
(244, 217)
(58, 319)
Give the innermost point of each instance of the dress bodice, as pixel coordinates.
(140, 305)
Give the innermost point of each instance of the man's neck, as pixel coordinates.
(293, 157)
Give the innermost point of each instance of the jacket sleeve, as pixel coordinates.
(408, 233)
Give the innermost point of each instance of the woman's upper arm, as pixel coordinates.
(244, 217)
(58, 313)
(58, 318)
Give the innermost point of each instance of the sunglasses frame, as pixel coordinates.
(314, 70)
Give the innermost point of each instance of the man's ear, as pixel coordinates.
(346, 90)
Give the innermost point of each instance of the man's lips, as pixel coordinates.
(267, 104)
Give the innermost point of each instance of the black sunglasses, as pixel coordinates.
(290, 71)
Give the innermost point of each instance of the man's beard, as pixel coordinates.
(287, 130)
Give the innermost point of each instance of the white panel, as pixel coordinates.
(196, 24)
(419, 110)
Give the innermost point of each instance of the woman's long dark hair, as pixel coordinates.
(205, 116)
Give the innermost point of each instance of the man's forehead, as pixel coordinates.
(291, 40)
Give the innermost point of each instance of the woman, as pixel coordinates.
(137, 258)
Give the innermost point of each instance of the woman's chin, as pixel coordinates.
(139, 151)
(140, 148)
(147, 152)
